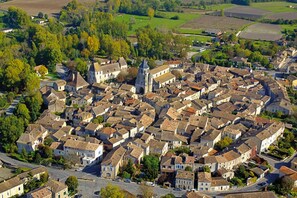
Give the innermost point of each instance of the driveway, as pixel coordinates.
(12, 107)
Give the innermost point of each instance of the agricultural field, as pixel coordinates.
(245, 12)
(262, 31)
(219, 7)
(283, 15)
(216, 22)
(276, 7)
(32, 7)
(162, 23)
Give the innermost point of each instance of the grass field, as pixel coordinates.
(162, 23)
(200, 38)
(276, 7)
(219, 7)
(289, 27)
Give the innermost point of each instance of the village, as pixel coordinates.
(204, 125)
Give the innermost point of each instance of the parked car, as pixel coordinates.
(127, 180)
(177, 189)
(150, 184)
(262, 184)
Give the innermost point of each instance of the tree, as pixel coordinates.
(72, 184)
(38, 158)
(206, 169)
(40, 15)
(11, 129)
(182, 149)
(146, 191)
(98, 120)
(188, 168)
(42, 71)
(126, 175)
(48, 141)
(24, 154)
(33, 103)
(23, 113)
(16, 18)
(150, 13)
(16, 71)
(32, 84)
(150, 166)
(81, 66)
(284, 185)
(44, 177)
(93, 44)
(169, 195)
(129, 168)
(225, 142)
(111, 191)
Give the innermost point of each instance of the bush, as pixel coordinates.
(176, 17)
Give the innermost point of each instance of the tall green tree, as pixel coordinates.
(23, 113)
(11, 128)
(111, 191)
(150, 166)
(72, 184)
(16, 18)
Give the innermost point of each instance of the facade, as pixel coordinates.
(112, 162)
(148, 80)
(184, 180)
(89, 153)
(144, 82)
(58, 189)
(269, 135)
(30, 140)
(99, 73)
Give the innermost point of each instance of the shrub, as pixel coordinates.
(176, 17)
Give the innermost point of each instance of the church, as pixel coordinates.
(150, 80)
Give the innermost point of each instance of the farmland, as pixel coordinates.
(260, 31)
(32, 7)
(283, 15)
(276, 7)
(216, 22)
(245, 12)
(162, 23)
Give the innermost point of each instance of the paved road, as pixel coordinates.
(11, 108)
(89, 182)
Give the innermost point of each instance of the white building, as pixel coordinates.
(269, 135)
(99, 73)
(88, 152)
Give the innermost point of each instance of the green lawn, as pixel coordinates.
(164, 23)
(219, 7)
(278, 6)
(200, 38)
(190, 31)
(289, 27)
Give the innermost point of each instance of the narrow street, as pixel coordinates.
(12, 106)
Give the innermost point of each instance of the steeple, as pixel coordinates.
(143, 81)
(144, 65)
